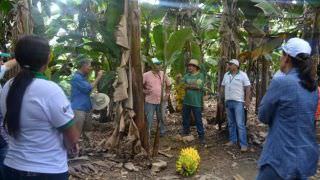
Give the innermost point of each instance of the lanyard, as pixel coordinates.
(231, 79)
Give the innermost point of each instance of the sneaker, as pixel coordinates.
(230, 143)
(244, 149)
(202, 142)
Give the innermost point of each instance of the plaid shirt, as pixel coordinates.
(289, 110)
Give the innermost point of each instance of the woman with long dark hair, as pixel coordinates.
(288, 107)
(38, 117)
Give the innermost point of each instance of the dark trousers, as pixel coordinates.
(186, 112)
(13, 174)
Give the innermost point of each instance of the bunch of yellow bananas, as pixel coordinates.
(188, 162)
(179, 94)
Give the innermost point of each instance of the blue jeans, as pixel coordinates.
(186, 111)
(150, 109)
(235, 115)
(14, 174)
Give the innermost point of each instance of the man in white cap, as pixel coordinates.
(193, 99)
(152, 84)
(236, 90)
(288, 108)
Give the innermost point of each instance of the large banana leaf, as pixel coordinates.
(176, 41)
(314, 3)
(159, 40)
(177, 65)
(195, 50)
(265, 48)
(5, 6)
(252, 8)
(105, 85)
(267, 7)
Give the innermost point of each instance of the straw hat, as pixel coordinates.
(99, 101)
(194, 62)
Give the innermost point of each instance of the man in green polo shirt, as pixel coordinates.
(193, 99)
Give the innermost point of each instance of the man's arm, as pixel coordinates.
(247, 90)
(221, 94)
(247, 96)
(96, 81)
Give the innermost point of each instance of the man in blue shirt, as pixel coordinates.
(289, 107)
(80, 92)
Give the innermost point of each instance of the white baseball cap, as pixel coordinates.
(295, 46)
(156, 61)
(234, 61)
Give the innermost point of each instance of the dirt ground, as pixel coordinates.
(217, 161)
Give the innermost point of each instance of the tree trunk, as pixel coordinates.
(23, 26)
(137, 86)
(229, 47)
(312, 33)
(258, 89)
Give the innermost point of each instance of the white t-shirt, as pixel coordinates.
(234, 86)
(39, 146)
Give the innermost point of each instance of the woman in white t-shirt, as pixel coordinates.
(38, 117)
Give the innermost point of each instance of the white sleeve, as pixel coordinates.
(3, 97)
(223, 83)
(246, 81)
(59, 109)
(3, 70)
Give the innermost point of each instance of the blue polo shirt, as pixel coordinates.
(80, 93)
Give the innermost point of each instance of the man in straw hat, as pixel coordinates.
(236, 88)
(193, 99)
(152, 82)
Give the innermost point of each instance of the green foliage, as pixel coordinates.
(195, 51)
(105, 85)
(159, 39)
(6, 6)
(176, 42)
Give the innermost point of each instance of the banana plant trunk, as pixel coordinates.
(23, 25)
(312, 33)
(137, 86)
(230, 48)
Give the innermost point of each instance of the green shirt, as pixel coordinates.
(194, 97)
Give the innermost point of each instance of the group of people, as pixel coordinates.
(288, 108)
(39, 125)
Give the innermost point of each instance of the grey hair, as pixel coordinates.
(83, 62)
